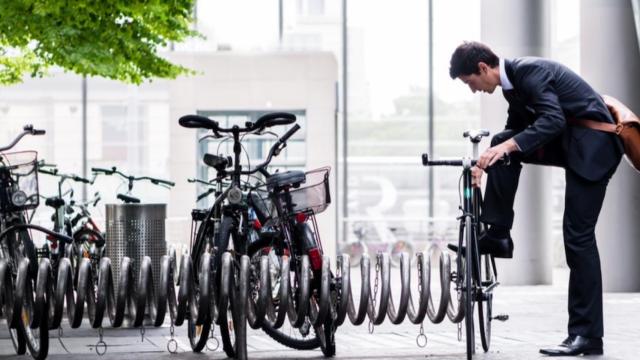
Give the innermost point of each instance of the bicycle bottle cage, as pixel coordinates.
(288, 178)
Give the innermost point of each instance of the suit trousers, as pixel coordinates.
(583, 202)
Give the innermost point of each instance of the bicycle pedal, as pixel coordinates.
(501, 317)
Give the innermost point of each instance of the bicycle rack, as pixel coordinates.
(133, 298)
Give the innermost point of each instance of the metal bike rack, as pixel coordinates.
(134, 297)
(136, 231)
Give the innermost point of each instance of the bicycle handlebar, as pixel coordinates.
(265, 121)
(274, 151)
(505, 160)
(54, 172)
(26, 130)
(132, 178)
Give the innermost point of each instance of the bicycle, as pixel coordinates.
(21, 276)
(74, 220)
(228, 219)
(476, 279)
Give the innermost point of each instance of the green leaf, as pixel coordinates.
(115, 39)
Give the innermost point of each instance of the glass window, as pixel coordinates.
(255, 147)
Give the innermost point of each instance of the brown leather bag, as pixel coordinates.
(627, 127)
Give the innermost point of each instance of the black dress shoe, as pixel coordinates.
(576, 345)
(499, 248)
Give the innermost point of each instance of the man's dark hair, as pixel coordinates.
(465, 59)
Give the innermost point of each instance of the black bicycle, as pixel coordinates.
(73, 219)
(228, 221)
(475, 280)
(27, 291)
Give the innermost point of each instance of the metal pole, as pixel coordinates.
(431, 119)
(84, 136)
(280, 21)
(345, 127)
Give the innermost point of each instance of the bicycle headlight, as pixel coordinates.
(19, 198)
(235, 196)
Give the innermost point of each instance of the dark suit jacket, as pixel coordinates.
(546, 93)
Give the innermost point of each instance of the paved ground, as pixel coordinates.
(537, 319)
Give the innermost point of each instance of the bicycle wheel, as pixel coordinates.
(36, 333)
(326, 333)
(198, 327)
(287, 335)
(233, 287)
(485, 305)
(8, 299)
(468, 293)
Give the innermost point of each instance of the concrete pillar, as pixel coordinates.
(515, 28)
(610, 62)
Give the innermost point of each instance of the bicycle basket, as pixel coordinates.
(313, 195)
(18, 181)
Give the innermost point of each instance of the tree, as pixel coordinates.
(116, 39)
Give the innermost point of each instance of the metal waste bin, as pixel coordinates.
(136, 231)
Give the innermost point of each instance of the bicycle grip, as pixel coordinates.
(101, 170)
(160, 181)
(425, 159)
(81, 179)
(38, 132)
(289, 133)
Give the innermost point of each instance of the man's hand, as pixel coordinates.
(476, 176)
(495, 153)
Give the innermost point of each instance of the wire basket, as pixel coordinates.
(19, 181)
(313, 195)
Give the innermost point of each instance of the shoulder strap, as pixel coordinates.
(592, 124)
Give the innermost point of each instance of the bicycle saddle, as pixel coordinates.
(288, 178)
(217, 162)
(54, 202)
(128, 199)
(476, 135)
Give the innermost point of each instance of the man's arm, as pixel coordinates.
(542, 98)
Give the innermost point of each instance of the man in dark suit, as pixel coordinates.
(543, 97)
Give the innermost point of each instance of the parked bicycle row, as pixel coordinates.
(255, 257)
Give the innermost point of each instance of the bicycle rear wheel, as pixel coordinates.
(299, 339)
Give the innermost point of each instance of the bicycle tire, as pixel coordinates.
(7, 288)
(280, 336)
(468, 291)
(37, 337)
(198, 327)
(326, 336)
(198, 334)
(232, 314)
(485, 306)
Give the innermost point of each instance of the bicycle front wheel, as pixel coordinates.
(233, 296)
(468, 293)
(36, 333)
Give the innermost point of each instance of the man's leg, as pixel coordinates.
(502, 181)
(502, 184)
(583, 201)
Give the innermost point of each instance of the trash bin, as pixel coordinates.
(136, 231)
